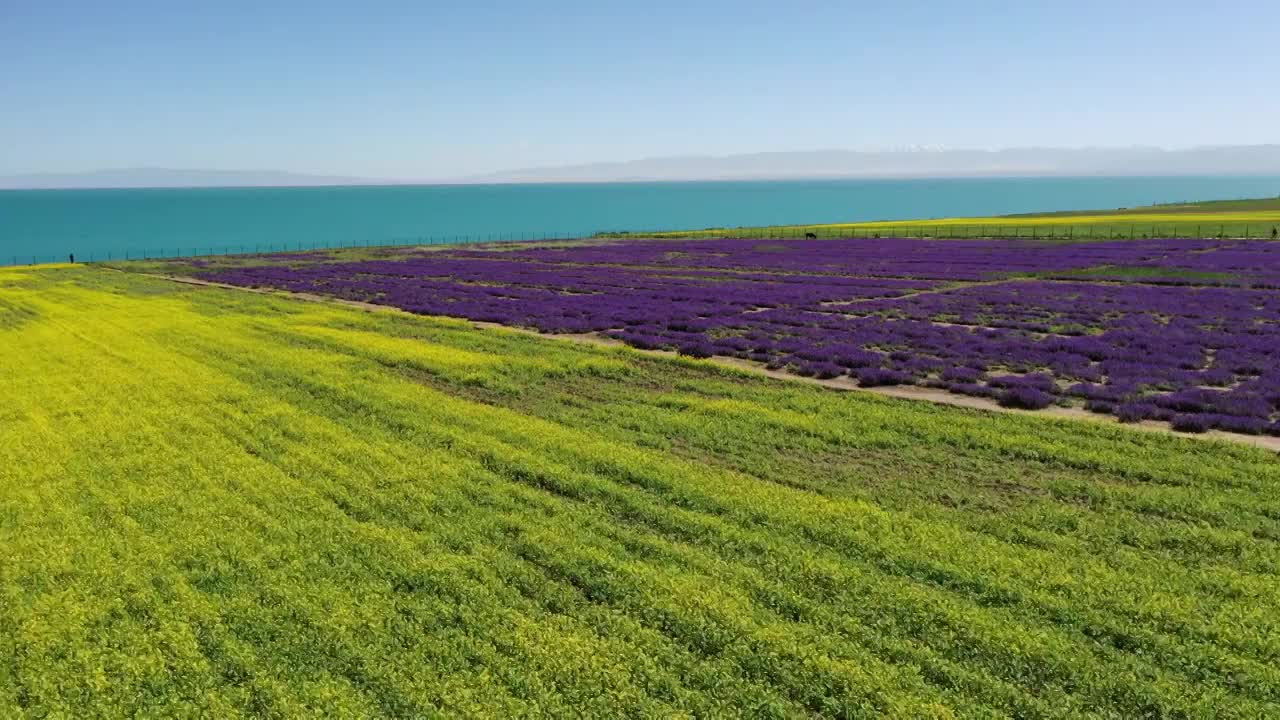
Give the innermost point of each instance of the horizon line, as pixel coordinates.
(375, 183)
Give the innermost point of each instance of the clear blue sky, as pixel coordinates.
(414, 90)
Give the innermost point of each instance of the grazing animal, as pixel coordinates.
(814, 236)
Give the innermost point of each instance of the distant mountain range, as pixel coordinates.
(1225, 160)
(1218, 160)
(174, 178)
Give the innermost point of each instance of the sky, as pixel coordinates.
(426, 90)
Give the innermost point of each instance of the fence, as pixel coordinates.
(1052, 232)
(1018, 231)
(198, 251)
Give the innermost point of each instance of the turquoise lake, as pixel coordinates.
(46, 225)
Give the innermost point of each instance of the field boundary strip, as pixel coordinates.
(906, 392)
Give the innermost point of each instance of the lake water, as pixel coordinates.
(46, 225)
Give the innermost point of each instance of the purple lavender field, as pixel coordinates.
(1184, 331)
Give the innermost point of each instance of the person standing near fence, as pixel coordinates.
(1274, 232)
(72, 258)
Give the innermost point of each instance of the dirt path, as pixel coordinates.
(309, 297)
(904, 392)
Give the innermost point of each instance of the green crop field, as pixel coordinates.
(1227, 218)
(223, 504)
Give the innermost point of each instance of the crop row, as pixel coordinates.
(1202, 261)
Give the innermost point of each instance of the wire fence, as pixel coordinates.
(250, 249)
(1049, 232)
(980, 231)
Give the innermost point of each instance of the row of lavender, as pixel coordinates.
(1235, 263)
(1197, 343)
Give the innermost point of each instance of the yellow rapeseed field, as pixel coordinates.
(221, 504)
(1237, 219)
